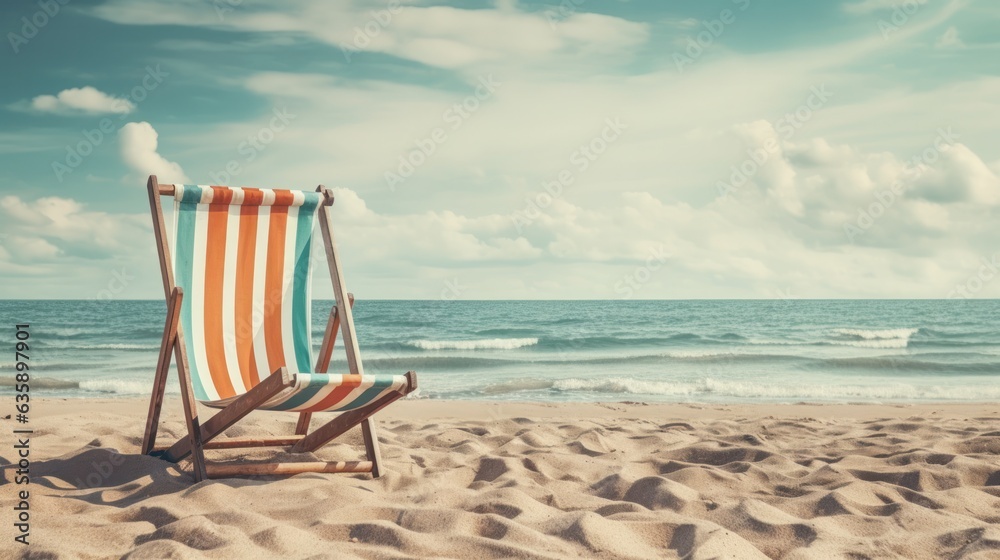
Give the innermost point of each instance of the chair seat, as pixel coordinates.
(321, 392)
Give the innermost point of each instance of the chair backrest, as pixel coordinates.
(243, 258)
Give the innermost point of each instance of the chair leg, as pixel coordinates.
(302, 426)
(162, 367)
(371, 446)
(193, 441)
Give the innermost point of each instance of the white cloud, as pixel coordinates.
(59, 247)
(440, 36)
(138, 143)
(82, 100)
(949, 40)
(445, 237)
(960, 177)
(66, 222)
(30, 249)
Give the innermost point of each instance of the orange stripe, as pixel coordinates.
(243, 305)
(351, 382)
(215, 261)
(274, 278)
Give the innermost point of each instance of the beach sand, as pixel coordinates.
(518, 480)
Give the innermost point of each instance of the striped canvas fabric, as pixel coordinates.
(243, 258)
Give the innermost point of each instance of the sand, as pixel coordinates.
(511, 480)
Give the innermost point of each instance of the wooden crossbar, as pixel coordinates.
(238, 443)
(227, 470)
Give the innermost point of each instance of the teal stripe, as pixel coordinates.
(192, 193)
(300, 283)
(382, 382)
(315, 385)
(183, 273)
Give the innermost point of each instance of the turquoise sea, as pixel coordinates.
(687, 351)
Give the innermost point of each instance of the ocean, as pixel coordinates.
(646, 351)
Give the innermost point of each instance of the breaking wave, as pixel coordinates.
(884, 338)
(483, 344)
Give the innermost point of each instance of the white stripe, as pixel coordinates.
(198, 302)
(173, 246)
(309, 295)
(229, 300)
(207, 194)
(259, 270)
(287, 283)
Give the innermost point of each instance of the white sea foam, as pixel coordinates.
(626, 385)
(122, 386)
(120, 347)
(695, 354)
(876, 343)
(750, 390)
(878, 334)
(867, 338)
(483, 344)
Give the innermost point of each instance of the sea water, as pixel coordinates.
(652, 351)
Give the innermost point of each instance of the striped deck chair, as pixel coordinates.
(238, 292)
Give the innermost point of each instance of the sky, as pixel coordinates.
(519, 150)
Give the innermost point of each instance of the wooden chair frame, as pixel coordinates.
(202, 436)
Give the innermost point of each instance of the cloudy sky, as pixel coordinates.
(481, 150)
